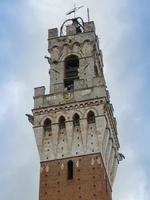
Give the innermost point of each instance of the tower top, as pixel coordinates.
(72, 26)
(77, 23)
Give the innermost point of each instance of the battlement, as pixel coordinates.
(43, 100)
(87, 27)
(72, 30)
(39, 91)
(52, 33)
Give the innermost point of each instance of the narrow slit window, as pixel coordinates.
(62, 123)
(76, 120)
(70, 170)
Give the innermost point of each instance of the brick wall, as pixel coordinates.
(89, 179)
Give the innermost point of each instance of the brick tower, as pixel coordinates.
(74, 126)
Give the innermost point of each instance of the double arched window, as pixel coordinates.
(71, 71)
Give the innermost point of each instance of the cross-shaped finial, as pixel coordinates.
(74, 10)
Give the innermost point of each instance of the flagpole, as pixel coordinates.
(74, 9)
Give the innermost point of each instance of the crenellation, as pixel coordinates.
(89, 26)
(39, 91)
(80, 94)
(70, 30)
(52, 33)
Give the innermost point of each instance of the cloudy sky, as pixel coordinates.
(124, 31)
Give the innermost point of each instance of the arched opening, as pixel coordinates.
(70, 170)
(47, 125)
(90, 117)
(71, 71)
(62, 123)
(76, 120)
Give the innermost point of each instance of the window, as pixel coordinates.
(47, 125)
(71, 71)
(70, 169)
(91, 117)
(76, 120)
(62, 122)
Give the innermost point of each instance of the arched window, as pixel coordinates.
(47, 125)
(70, 170)
(71, 71)
(90, 117)
(76, 120)
(62, 122)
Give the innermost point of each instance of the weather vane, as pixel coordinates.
(74, 10)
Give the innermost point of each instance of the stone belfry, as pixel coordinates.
(74, 126)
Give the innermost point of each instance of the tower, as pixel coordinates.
(74, 126)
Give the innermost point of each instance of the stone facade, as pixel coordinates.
(75, 120)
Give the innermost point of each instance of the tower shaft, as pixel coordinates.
(74, 126)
